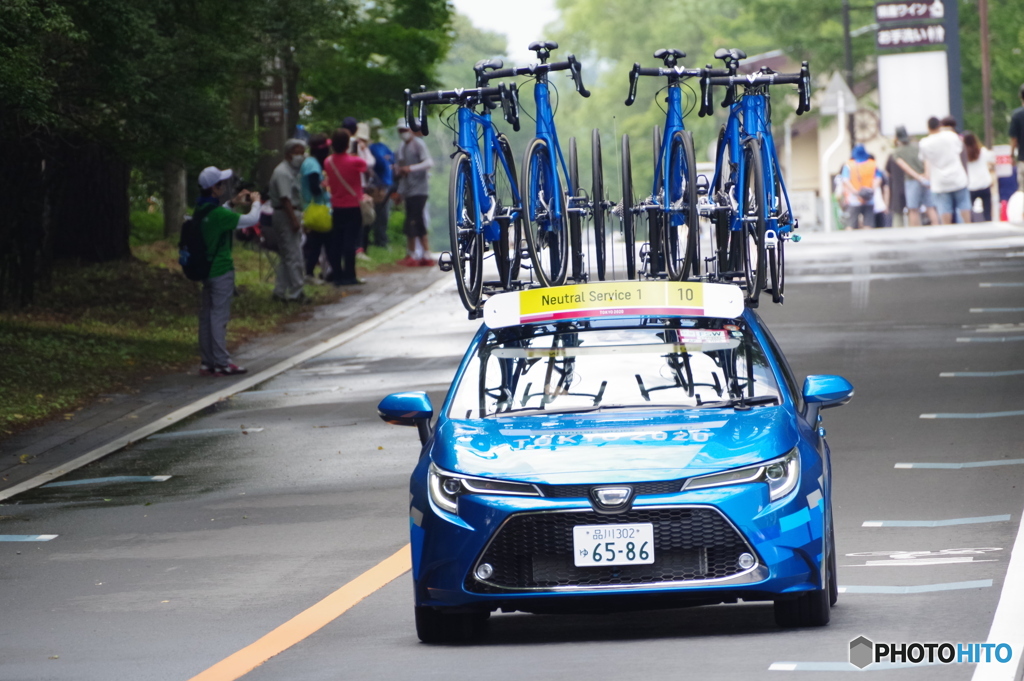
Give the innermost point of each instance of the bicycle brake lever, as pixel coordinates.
(408, 111)
(423, 119)
(706, 106)
(634, 76)
(577, 75)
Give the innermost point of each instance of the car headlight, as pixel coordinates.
(781, 474)
(446, 488)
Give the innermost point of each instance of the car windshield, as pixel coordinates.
(589, 366)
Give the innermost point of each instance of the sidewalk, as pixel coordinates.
(40, 449)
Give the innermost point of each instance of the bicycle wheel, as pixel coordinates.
(679, 227)
(509, 248)
(575, 228)
(723, 191)
(547, 236)
(655, 221)
(753, 212)
(467, 241)
(628, 225)
(597, 176)
(777, 256)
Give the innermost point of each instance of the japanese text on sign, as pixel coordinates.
(907, 10)
(911, 35)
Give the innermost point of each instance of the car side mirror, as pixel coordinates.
(408, 409)
(825, 391)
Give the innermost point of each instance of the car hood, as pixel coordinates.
(604, 448)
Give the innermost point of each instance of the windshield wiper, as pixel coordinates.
(540, 411)
(741, 403)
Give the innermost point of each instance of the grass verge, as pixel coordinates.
(109, 327)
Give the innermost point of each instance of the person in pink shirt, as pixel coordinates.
(343, 174)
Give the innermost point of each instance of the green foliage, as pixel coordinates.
(1006, 45)
(146, 227)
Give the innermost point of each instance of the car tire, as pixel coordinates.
(438, 626)
(811, 608)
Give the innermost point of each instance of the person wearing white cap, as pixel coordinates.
(412, 169)
(217, 226)
(286, 198)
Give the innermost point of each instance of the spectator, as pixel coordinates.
(881, 199)
(312, 179)
(941, 151)
(361, 145)
(344, 171)
(915, 185)
(1017, 137)
(860, 178)
(218, 224)
(981, 163)
(412, 169)
(381, 184)
(286, 198)
(897, 196)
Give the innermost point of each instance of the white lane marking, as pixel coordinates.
(1002, 339)
(997, 309)
(993, 328)
(967, 464)
(982, 415)
(913, 562)
(1008, 625)
(1002, 284)
(860, 285)
(234, 388)
(27, 537)
(937, 523)
(980, 374)
(845, 666)
(917, 589)
(113, 478)
(205, 431)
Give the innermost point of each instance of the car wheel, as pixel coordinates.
(437, 626)
(833, 583)
(811, 608)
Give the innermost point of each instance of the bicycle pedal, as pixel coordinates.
(444, 262)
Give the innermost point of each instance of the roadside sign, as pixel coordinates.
(907, 10)
(910, 36)
(829, 105)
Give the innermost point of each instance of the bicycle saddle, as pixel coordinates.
(727, 54)
(669, 56)
(543, 45)
(488, 65)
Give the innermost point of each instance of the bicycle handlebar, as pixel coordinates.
(571, 64)
(672, 73)
(509, 98)
(764, 77)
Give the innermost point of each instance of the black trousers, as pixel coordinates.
(986, 201)
(315, 241)
(345, 238)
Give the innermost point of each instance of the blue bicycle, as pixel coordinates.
(484, 202)
(554, 206)
(671, 208)
(754, 217)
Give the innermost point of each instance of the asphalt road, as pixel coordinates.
(282, 494)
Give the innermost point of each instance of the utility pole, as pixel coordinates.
(986, 73)
(848, 55)
(951, 20)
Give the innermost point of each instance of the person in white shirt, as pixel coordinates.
(941, 151)
(981, 162)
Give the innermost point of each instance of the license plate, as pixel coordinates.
(596, 545)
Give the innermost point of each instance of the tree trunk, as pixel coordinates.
(174, 199)
(21, 173)
(91, 215)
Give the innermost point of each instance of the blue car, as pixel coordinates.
(625, 445)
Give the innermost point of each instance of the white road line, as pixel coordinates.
(1001, 339)
(27, 537)
(243, 384)
(914, 562)
(918, 589)
(967, 464)
(1002, 284)
(997, 309)
(980, 374)
(937, 523)
(107, 480)
(1008, 625)
(982, 415)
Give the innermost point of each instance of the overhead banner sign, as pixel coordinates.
(906, 10)
(910, 36)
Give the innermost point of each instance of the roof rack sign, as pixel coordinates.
(613, 299)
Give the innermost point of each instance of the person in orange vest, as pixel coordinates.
(861, 177)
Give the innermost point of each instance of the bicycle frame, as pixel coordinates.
(469, 122)
(749, 118)
(673, 124)
(546, 131)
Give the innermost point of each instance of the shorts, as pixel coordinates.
(415, 216)
(918, 195)
(865, 210)
(947, 202)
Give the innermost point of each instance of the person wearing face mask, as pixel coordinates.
(286, 199)
(412, 170)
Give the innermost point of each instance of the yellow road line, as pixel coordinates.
(310, 620)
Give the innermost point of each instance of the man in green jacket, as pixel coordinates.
(219, 223)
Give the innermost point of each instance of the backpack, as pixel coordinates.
(192, 255)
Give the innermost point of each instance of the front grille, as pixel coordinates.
(639, 488)
(535, 551)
